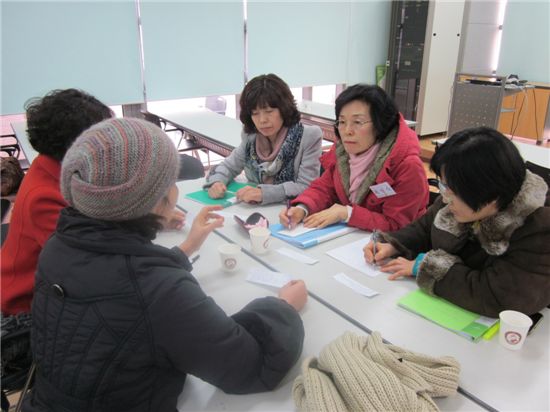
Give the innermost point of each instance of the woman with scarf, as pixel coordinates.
(485, 243)
(278, 153)
(373, 178)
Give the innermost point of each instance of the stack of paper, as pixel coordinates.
(303, 237)
(450, 316)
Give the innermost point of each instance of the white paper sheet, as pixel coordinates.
(300, 229)
(300, 257)
(356, 286)
(352, 255)
(268, 277)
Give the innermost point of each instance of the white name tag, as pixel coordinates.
(382, 190)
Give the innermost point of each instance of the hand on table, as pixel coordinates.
(334, 214)
(290, 217)
(217, 190)
(249, 194)
(400, 267)
(294, 293)
(205, 222)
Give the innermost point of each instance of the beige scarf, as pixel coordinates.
(362, 373)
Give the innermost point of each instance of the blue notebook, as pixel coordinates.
(314, 237)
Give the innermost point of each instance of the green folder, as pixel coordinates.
(229, 199)
(450, 316)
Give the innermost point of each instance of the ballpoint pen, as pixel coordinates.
(289, 218)
(374, 240)
(195, 258)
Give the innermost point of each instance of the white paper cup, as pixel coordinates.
(229, 255)
(259, 239)
(513, 329)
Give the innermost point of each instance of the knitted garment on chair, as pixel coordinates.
(282, 167)
(362, 373)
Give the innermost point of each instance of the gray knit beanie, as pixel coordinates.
(119, 169)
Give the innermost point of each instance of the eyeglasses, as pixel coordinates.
(354, 124)
(444, 190)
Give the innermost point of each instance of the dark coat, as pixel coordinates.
(503, 262)
(119, 322)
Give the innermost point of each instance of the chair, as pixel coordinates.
(216, 103)
(185, 143)
(190, 168)
(433, 195)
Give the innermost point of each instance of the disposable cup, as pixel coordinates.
(513, 329)
(259, 239)
(229, 256)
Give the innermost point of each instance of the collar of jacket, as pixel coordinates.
(77, 230)
(343, 165)
(494, 233)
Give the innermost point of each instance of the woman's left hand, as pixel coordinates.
(399, 267)
(334, 214)
(250, 194)
(176, 220)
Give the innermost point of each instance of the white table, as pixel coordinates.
(531, 152)
(232, 292)
(325, 113)
(20, 130)
(490, 373)
(216, 132)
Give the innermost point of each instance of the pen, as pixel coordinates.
(289, 218)
(194, 259)
(374, 240)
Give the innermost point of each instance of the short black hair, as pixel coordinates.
(480, 165)
(267, 90)
(147, 226)
(57, 119)
(383, 110)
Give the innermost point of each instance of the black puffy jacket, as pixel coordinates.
(118, 323)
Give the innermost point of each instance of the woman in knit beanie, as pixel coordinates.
(119, 321)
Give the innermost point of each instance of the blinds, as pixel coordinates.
(87, 45)
(192, 49)
(525, 48)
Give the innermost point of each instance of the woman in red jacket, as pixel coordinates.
(53, 123)
(374, 178)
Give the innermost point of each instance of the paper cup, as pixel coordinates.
(513, 329)
(259, 239)
(229, 255)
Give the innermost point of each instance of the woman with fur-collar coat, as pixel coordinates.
(485, 243)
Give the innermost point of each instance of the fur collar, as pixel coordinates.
(494, 233)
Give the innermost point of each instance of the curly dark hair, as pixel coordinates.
(57, 119)
(383, 111)
(267, 90)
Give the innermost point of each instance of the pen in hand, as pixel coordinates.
(374, 240)
(287, 215)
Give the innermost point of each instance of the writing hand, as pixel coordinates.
(383, 251)
(289, 218)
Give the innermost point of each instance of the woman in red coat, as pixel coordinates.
(53, 123)
(374, 178)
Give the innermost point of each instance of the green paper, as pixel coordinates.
(201, 196)
(446, 314)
